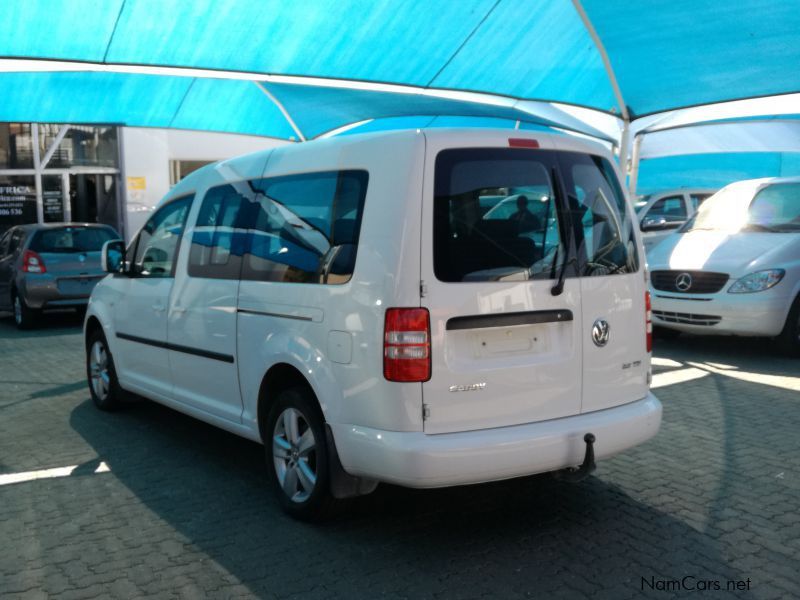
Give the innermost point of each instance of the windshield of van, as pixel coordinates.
(774, 209)
(72, 239)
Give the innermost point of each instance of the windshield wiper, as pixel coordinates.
(558, 288)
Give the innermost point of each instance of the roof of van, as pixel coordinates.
(565, 141)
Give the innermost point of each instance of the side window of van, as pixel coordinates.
(304, 228)
(219, 239)
(603, 228)
(157, 244)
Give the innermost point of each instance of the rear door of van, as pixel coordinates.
(616, 360)
(504, 349)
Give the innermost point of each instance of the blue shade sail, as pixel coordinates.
(714, 170)
(666, 54)
(677, 53)
(317, 110)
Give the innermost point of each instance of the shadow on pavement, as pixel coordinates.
(50, 323)
(531, 536)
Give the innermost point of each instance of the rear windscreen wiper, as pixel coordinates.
(562, 201)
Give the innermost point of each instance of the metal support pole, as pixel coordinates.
(37, 177)
(65, 197)
(634, 176)
(624, 148)
(56, 143)
(283, 110)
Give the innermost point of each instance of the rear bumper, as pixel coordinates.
(41, 292)
(414, 459)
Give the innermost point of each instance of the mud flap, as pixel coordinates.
(344, 485)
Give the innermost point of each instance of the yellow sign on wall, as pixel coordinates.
(137, 183)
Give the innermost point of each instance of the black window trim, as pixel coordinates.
(129, 272)
(361, 171)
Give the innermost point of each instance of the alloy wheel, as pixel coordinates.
(294, 455)
(98, 370)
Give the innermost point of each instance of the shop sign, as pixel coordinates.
(137, 183)
(17, 204)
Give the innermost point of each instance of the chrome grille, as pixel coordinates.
(701, 282)
(686, 318)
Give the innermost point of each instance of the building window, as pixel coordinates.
(178, 169)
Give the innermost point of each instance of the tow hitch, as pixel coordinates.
(576, 474)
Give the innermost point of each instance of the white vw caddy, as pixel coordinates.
(424, 308)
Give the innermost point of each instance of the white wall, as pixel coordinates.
(145, 162)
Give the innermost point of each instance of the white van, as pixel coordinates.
(734, 268)
(358, 306)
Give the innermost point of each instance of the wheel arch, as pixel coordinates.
(92, 325)
(279, 377)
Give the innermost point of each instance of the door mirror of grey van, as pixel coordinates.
(112, 257)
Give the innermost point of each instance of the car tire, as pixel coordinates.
(24, 316)
(662, 333)
(789, 339)
(297, 455)
(101, 375)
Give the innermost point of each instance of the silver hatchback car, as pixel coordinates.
(51, 266)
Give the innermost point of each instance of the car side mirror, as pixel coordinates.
(659, 224)
(111, 258)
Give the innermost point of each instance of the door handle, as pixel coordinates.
(178, 310)
(158, 307)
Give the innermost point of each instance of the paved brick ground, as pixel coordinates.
(184, 511)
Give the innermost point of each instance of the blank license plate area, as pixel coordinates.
(78, 286)
(507, 346)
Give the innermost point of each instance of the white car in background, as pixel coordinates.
(734, 268)
(660, 214)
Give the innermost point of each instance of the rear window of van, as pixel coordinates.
(509, 214)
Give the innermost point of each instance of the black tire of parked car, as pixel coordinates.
(789, 339)
(115, 396)
(320, 503)
(24, 316)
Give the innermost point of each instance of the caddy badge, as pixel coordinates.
(472, 387)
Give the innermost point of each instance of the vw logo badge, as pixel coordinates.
(683, 282)
(600, 332)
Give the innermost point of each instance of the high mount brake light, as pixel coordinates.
(522, 143)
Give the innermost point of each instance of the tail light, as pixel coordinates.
(406, 344)
(648, 322)
(32, 262)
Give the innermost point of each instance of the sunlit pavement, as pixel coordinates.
(148, 502)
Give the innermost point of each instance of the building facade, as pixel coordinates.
(53, 173)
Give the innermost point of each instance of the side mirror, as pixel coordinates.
(111, 258)
(659, 224)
